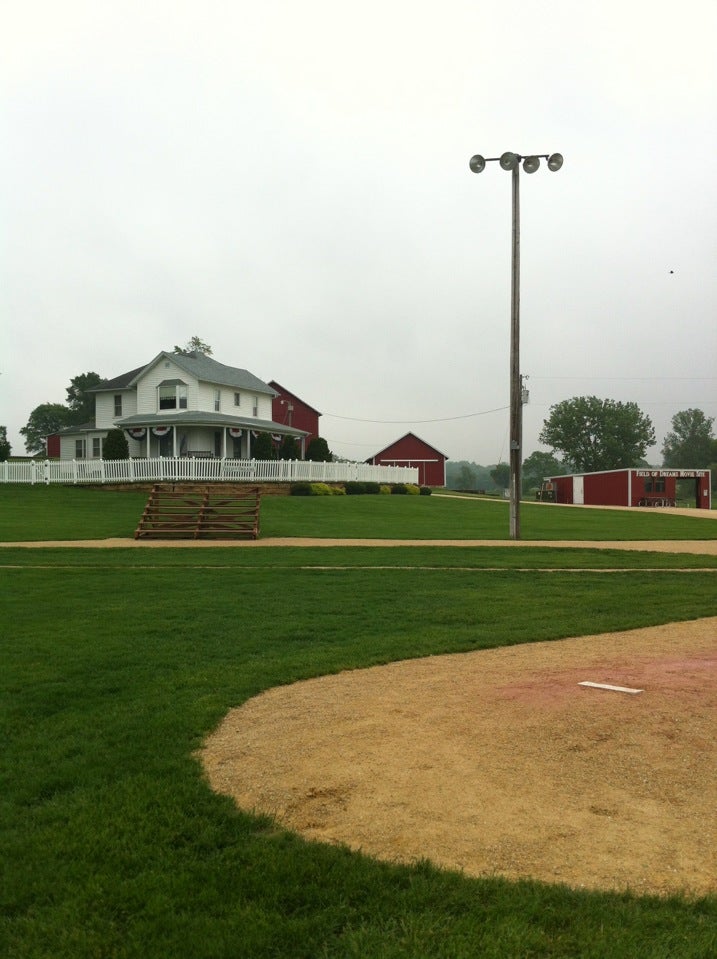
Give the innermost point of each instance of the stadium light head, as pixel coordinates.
(509, 161)
(477, 163)
(555, 162)
(531, 164)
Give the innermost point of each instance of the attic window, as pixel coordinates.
(172, 395)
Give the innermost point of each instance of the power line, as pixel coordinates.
(442, 419)
(650, 379)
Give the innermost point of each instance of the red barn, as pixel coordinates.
(410, 450)
(630, 487)
(288, 409)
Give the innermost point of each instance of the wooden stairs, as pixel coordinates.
(200, 512)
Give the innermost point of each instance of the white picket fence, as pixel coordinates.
(195, 469)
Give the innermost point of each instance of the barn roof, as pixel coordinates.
(282, 389)
(405, 437)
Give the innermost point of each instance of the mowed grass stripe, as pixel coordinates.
(42, 513)
(365, 556)
(376, 567)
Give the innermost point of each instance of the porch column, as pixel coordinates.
(174, 442)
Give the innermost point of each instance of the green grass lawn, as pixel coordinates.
(58, 512)
(116, 665)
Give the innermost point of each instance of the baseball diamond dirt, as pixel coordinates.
(498, 762)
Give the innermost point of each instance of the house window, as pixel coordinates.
(256, 406)
(96, 447)
(217, 400)
(118, 404)
(80, 449)
(172, 396)
(237, 399)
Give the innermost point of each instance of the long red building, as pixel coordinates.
(630, 487)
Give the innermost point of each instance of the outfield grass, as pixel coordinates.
(117, 663)
(58, 512)
(114, 846)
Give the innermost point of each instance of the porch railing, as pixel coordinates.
(177, 469)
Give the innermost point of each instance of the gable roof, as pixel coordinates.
(282, 390)
(121, 382)
(405, 437)
(199, 365)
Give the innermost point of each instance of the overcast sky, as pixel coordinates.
(289, 181)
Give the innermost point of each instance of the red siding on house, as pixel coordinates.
(288, 409)
(410, 450)
(53, 446)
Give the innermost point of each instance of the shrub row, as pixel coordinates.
(354, 488)
(315, 489)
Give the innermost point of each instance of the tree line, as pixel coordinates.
(587, 434)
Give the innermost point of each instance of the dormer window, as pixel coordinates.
(172, 395)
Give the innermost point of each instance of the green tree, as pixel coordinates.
(539, 465)
(318, 450)
(263, 448)
(45, 419)
(4, 445)
(195, 345)
(80, 403)
(466, 477)
(289, 449)
(115, 446)
(690, 443)
(500, 474)
(595, 434)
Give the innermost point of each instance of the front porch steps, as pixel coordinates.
(187, 511)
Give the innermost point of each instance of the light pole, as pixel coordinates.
(511, 162)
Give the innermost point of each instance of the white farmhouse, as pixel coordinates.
(180, 404)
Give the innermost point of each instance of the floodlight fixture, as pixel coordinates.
(509, 161)
(531, 164)
(555, 161)
(477, 163)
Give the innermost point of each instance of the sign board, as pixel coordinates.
(677, 474)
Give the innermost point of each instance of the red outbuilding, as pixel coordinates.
(630, 487)
(288, 409)
(410, 450)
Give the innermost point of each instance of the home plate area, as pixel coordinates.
(500, 762)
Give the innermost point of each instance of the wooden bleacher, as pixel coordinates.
(200, 512)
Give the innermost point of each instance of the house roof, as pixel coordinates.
(121, 382)
(195, 364)
(405, 437)
(283, 391)
(202, 418)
